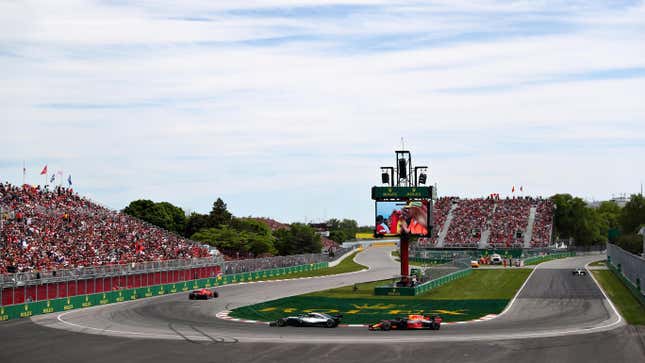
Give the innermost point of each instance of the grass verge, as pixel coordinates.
(478, 294)
(599, 263)
(630, 308)
(346, 265)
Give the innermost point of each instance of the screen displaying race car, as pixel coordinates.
(420, 322)
(202, 294)
(309, 319)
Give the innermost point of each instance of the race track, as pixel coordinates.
(556, 315)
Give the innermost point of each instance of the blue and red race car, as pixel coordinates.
(420, 322)
(202, 294)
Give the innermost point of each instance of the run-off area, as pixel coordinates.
(482, 293)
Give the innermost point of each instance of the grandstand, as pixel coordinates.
(45, 230)
(523, 222)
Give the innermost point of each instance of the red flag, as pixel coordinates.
(44, 170)
(513, 190)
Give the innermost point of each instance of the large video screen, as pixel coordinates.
(412, 217)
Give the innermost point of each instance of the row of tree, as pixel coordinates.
(574, 219)
(234, 236)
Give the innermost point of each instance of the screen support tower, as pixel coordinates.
(406, 179)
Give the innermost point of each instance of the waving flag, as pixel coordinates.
(513, 190)
(51, 180)
(69, 180)
(44, 172)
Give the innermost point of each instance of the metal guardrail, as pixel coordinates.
(228, 267)
(81, 273)
(257, 264)
(631, 266)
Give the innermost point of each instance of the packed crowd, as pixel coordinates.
(543, 226)
(439, 214)
(56, 229)
(469, 221)
(505, 219)
(509, 222)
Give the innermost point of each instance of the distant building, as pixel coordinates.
(321, 228)
(621, 199)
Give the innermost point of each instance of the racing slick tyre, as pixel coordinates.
(386, 325)
(281, 322)
(330, 323)
(436, 326)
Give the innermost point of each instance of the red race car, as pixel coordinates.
(432, 322)
(202, 294)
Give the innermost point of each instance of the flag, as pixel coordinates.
(513, 190)
(69, 180)
(521, 188)
(51, 180)
(44, 172)
(59, 173)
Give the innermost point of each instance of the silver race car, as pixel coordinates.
(309, 319)
(579, 272)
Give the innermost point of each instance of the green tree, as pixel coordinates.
(299, 238)
(633, 214)
(220, 216)
(163, 215)
(177, 216)
(196, 222)
(341, 231)
(250, 238)
(631, 242)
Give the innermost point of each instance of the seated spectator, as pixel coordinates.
(50, 230)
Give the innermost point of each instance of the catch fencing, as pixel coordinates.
(629, 267)
(28, 309)
(24, 287)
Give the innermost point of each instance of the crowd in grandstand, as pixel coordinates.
(505, 219)
(44, 230)
(469, 221)
(55, 229)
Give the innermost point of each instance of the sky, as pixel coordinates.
(288, 109)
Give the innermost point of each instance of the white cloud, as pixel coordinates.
(134, 103)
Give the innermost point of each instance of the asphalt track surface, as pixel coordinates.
(556, 317)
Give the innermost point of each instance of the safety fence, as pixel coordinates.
(630, 268)
(40, 286)
(48, 290)
(552, 256)
(108, 297)
(81, 273)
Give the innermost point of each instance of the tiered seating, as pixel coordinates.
(50, 230)
(468, 222)
(543, 225)
(440, 212)
(509, 222)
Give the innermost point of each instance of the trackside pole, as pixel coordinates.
(405, 258)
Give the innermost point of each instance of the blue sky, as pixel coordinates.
(289, 111)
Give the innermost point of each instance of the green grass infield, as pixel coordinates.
(630, 308)
(346, 265)
(478, 294)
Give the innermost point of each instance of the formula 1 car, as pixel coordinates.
(432, 322)
(309, 319)
(579, 272)
(202, 294)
